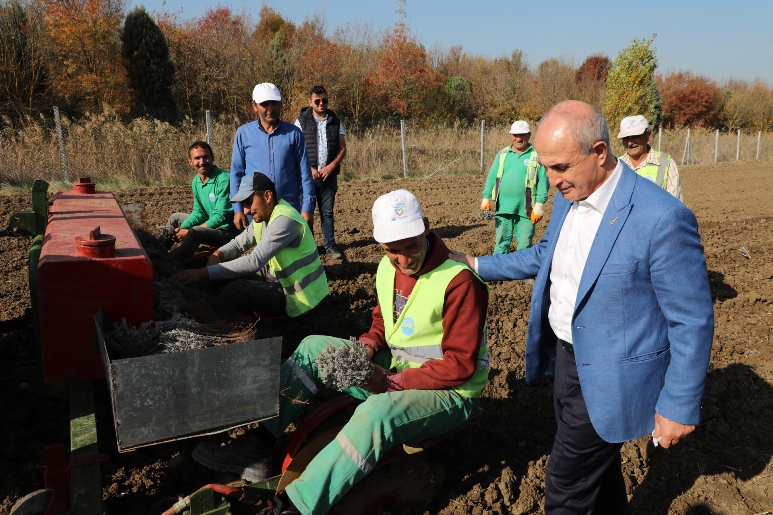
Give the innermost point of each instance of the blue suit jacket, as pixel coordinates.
(643, 321)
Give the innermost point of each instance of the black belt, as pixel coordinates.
(568, 347)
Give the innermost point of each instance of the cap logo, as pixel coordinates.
(399, 211)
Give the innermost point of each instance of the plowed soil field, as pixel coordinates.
(497, 463)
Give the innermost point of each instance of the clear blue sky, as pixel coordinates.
(718, 39)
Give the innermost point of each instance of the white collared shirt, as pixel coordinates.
(572, 249)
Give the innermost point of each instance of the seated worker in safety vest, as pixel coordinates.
(282, 276)
(430, 363)
(658, 167)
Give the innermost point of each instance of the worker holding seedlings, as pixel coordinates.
(429, 365)
(282, 276)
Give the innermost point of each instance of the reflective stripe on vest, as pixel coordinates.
(416, 336)
(298, 270)
(657, 173)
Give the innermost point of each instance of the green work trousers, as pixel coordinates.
(380, 422)
(508, 224)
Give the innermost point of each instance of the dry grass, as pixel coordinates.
(152, 153)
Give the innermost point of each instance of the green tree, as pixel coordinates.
(460, 89)
(631, 87)
(151, 72)
(22, 69)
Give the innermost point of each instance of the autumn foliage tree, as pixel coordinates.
(590, 79)
(22, 69)
(83, 45)
(403, 79)
(689, 100)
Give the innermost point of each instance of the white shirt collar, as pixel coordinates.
(599, 199)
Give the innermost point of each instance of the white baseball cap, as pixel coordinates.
(264, 92)
(397, 216)
(633, 126)
(520, 127)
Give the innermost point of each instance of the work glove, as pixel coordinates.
(537, 213)
(485, 204)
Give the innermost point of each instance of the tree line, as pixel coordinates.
(91, 55)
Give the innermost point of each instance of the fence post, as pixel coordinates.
(660, 135)
(759, 135)
(738, 146)
(59, 135)
(209, 127)
(482, 146)
(716, 145)
(405, 152)
(686, 145)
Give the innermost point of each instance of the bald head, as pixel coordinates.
(584, 123)
(572, 142)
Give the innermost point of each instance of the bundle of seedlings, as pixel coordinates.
(345, 367)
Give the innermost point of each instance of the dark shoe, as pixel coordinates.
(248, 457)
(334, 253)
(281, 505)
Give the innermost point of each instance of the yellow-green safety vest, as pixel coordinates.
(298, 270)
(657, 173)
(416, 336)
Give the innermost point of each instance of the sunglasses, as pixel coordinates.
(318, 101)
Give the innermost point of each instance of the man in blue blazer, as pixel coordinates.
(621, 312)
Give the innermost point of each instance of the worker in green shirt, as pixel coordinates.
(516, 190)
(212, 220)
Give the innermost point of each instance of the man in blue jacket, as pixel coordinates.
(621, 312)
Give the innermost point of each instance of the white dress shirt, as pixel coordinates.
(572, 249)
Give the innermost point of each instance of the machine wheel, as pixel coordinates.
(35, 503)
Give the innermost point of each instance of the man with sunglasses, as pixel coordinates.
(326, 146)
(275, 148)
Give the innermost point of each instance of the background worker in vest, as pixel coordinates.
(275, 148)
(516, 189)
(658, 167)
(282, 276)
(430, 357)
(211, 221)
(326, 148)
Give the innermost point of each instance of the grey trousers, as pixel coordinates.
(198, 236)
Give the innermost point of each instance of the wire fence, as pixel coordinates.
(151, 150)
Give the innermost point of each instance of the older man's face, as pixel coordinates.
(520, 141)
(574, 173)
(637, 146)
(268, 111)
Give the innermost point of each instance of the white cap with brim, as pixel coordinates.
(633, 126)
(397, 216)
(252, 183)
(264, 92)
(520, 127)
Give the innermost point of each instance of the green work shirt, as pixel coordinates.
(210, 202)
(512, 188)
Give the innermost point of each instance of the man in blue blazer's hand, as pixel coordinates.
(621, 312)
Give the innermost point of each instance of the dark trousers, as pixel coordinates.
(260, 295)
(584, 474)
(198, 236)
(326, 197)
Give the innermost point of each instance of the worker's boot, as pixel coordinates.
(248, 457)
